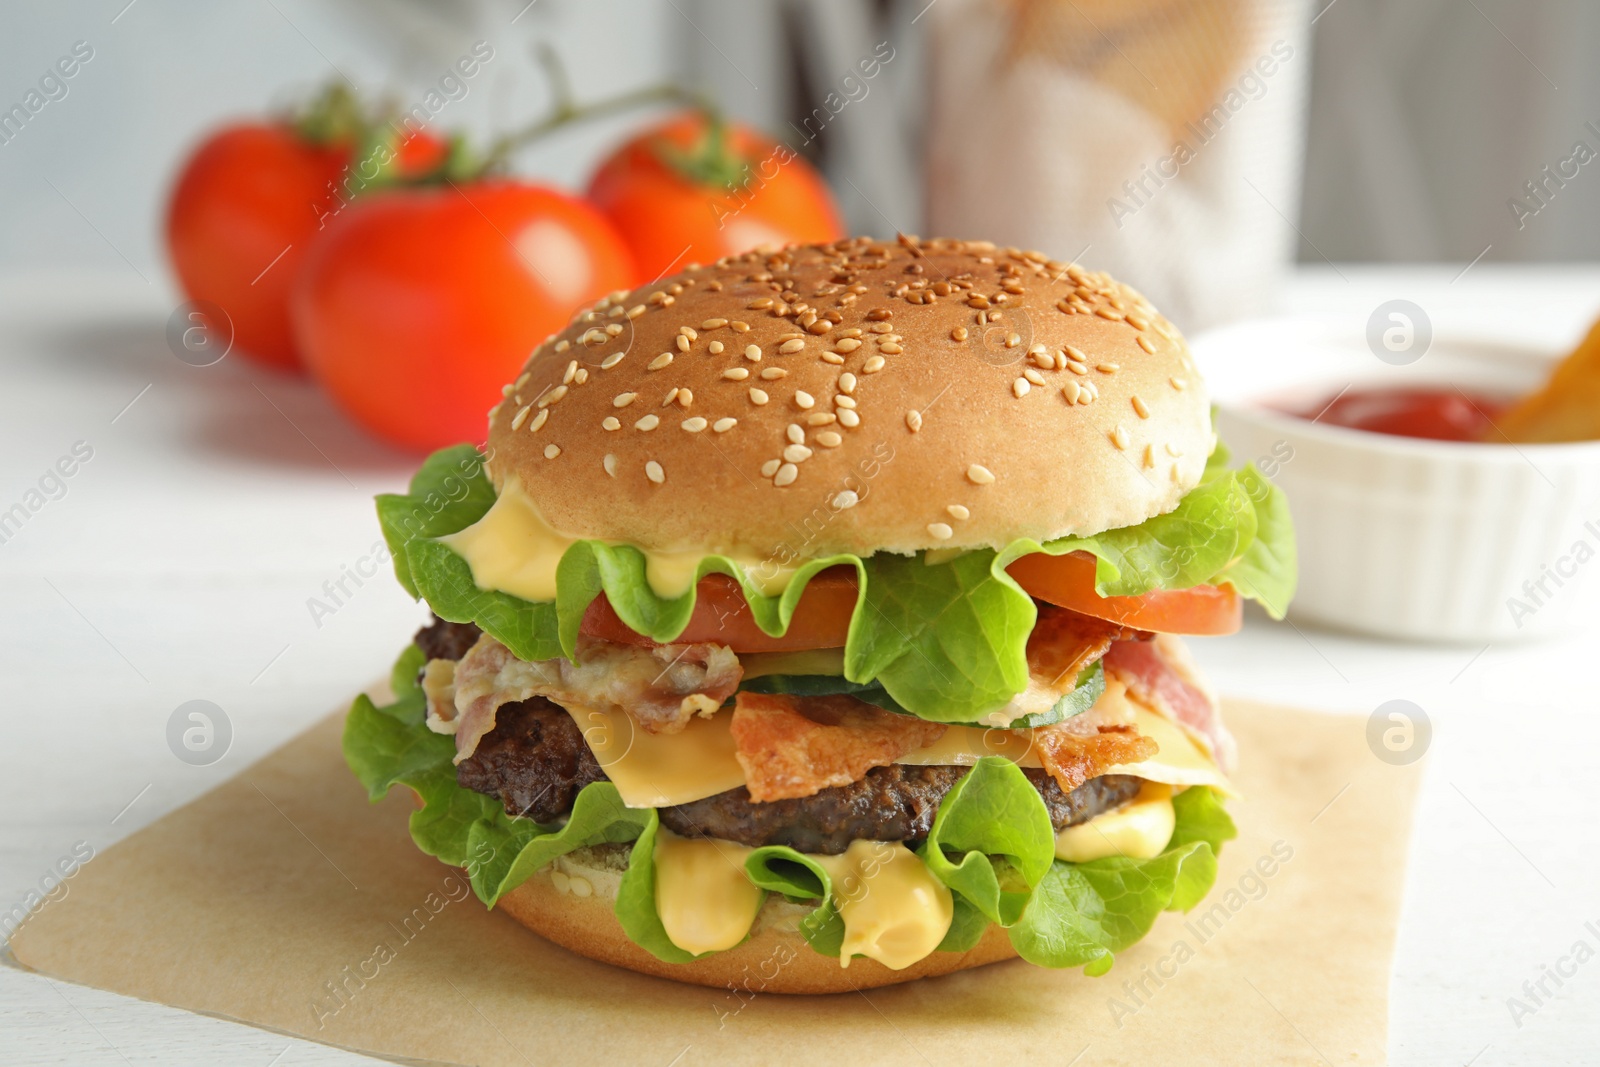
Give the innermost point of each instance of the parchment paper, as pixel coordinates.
(252, 902)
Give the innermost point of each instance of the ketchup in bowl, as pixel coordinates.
(1433, 414)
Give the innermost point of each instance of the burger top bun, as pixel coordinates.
(857, 397)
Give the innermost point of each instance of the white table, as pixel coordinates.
(180, 560)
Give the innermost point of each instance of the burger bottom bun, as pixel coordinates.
(774, 959)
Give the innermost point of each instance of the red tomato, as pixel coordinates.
(243, 212)
(1068, 581)
(417, 305)
(722, 617)
(673, 214)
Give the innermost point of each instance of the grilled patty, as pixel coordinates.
(536, 761)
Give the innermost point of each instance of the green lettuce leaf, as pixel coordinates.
(1082, 914)
(799, 877)
(636, 898)
(991, 841)
(945, 639)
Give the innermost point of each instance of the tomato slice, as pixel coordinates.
(1068, 581)
(721, 616)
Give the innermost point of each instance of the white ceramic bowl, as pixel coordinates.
(1400, 537)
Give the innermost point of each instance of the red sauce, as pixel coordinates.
(1434, 414)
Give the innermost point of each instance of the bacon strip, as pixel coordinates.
(1073, 758)
(1160, 673)
(796, 746)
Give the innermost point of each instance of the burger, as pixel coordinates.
(808, 622)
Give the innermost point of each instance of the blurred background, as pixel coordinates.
(1421, 119)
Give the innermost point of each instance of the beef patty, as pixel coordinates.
(536, 761)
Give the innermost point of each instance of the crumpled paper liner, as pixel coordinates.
(282, 899)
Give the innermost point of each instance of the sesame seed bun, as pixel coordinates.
(774, 959)
(857, 397)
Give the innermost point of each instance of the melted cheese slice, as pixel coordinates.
(1138, 831)
(660, 770)
(706, 901)
(513, 550)
(894, 910)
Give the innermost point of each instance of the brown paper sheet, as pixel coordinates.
(251, 902)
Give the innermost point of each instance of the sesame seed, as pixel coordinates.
(1020, 387)
(1013, 340)
(1146, 344)
(661, 361)
(653, 471)
(832, 357)
(846, 345)
(635, 311)
(736, 374)
(873, 365)
(1076, 355)
(753, 353)
(796, 433)
(672, 396)
(1108, 313)
(582, 376)
(552, 396)
(613, 329)
(958, 511)
(804, 400)
(797, 453)
(572, 370)
(694, 425)
(821, 418)
(539, 420)
(1071, 391)
(844, 401)
(758, 396)
(685, 397)
(913, 420)
(715, 348)
(1149, 457)
(786, 475)
(612, 360)
(978, 474)
(609, 462)
(1107, 368)
(1173, 472)
(790, 347)
(958, 334)
(1141, 407)
(1177, 383)
(772, 374)
(977, 300)
(847, 382)
(610, 422)
(683, 343)
(649, 422)
(881, 327)
(739, 327)
(1061, 361)
(1033, 376)
(845, 500)
(759, 305)
(1077, 368)
(521, 416)
(622, 400)
(724, 425)
(770, 467)
(563, 344)
(889, 348)
(1119, 437)
(848, 418)
(688, 331)
(940, 531)
(829, 438)
(713, 324)
(552, 451)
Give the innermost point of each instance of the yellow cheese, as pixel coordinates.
(513, 550)
(1180, 761)
(1139, 831)
(706, 901)
(894, 910)
(660, 770)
